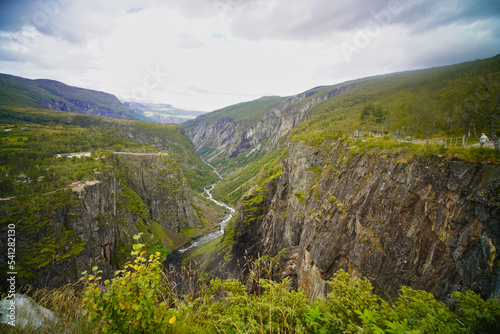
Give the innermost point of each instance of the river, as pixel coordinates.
(176, 256)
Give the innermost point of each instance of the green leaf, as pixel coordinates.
(139, 315)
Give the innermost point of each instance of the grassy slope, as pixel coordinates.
(236, 184)
(340, 115)
(419, 89)
(242, 111)
(97, 131)
(21, 92)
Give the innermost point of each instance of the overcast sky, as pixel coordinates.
(208, 54)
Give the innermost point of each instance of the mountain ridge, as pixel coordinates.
(163, 112)
(54, 95)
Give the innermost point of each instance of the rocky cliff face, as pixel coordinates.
(231, 138)
(61, 234)
(158, 181)
(82, 108)
(395, 218)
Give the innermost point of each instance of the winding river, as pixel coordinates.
(175, 257)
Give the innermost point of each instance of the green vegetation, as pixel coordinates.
(132, 301)
(378, 145)
(202, 253)
(224, 247)
(133, 203)
(41, 192)
(160, 235)
(243, 111)
(451, 101)
(34, 137)
(48, 240)
(300, 197)
(140, 298)
(30, 165)
(233, 187)
(21, 92)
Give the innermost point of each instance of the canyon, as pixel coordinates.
(307, 194)
(392, 217)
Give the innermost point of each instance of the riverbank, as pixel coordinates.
(212, 215)
(174, 259)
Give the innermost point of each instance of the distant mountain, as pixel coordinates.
(55, 95)
(163, 113)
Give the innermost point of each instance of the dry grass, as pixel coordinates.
(64, 302)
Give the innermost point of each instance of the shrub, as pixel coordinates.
(479, 316)
(132, 301)
(138, 298)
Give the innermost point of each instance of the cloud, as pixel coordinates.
(71, 20)
(321, 19)
(217, 52)
(187, 41)
(424, 16)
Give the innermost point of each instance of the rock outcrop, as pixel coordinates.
(157, 179)
(61, 234)
(230, 138)
(394, 218)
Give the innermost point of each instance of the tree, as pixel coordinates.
(476, 99)
(487, 96)
(463, 107)
(427, 122)
(404, 114)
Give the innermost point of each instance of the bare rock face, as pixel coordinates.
(397, 219)
(61, 234)
(157, 180)
(231, 138)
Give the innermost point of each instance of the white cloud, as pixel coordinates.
(208, 54)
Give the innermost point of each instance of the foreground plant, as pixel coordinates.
(138, 298)
(131, 302)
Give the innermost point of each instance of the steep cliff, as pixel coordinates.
(171, 138)
(157, 179)
(394, 217)
(224, 134)
(61, 234)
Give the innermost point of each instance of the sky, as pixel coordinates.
(208, 54)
